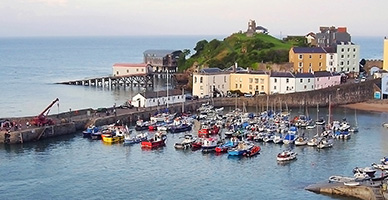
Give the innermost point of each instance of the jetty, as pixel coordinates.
(145, 80)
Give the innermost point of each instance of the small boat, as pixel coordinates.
(353, 183)
(180, 128)
(186, 142)
(228, 145)
(384, 160)
(253, 151)
(385, 125)
(313, 141)
(136, 139)
(380, 166)
(286, 156)
(91, 129)
(340, 179)
(367, 170)
(111, 138)
(320, 122)
(300, 141)
(278, 139)
(209, 144)
(197, 144)
(242, 148)
(157, 141)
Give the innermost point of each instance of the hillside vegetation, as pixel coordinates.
(246, 51)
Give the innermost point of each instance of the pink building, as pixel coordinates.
(324, 79)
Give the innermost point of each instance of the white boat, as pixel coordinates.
(313, 141)
(385, 125)
(278, 139)
(185, 143)
(367, 170)
(209, 144)
(325, 143)
(352, 183)
(380, 166)
(341, 179)
(286, 156)
(300, 141)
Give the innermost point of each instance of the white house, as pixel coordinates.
(348, 57)
(282, 82)
(158, 98)
(331, 60)
(304, 82)
(211, 81)
(126, 69)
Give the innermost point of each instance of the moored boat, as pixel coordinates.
(253, 151)
(286, 156)
(157, 141)
(300, 141)
(209, 144)
(242, 148)
(228, 145)
(185, 143)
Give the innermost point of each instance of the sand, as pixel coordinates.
(371, 105)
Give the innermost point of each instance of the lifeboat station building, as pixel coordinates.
(158, 98)
(128, 69)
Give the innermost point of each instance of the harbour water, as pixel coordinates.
(72, 167)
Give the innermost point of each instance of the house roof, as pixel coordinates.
(282, 74)
(322, 74)
(151, 94)
(158, 52)
(210, 70)
(251, 72)
(308, 50)
(304, 75)
(130, 65)
(330, 50)
(237, 69)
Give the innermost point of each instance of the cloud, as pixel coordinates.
(51, 2)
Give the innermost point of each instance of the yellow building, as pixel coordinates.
(251, 82)
(308, 59)
(385, 56)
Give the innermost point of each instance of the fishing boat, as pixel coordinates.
(157, 141)
(209, 144)
(228, 145)
(367, 170)
(286, 156)
(185, 143)
(128, 139)
(111, 138)
(197, 144)
(242, 148)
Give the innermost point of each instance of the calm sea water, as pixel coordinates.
(31, 66)
(72, 167)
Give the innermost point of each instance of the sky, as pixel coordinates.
(20, 18)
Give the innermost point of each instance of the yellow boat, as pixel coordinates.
(108, 138)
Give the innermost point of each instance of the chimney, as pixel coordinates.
(235, 67)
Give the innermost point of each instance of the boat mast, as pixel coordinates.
(167, 88)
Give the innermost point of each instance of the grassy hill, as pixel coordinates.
(246, 51)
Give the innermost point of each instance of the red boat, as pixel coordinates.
(152, 127)
(253, 151)
(197, 144)
(157, 141)
(205, 132)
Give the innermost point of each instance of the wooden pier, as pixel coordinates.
(145, 81)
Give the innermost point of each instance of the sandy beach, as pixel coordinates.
(371, 105)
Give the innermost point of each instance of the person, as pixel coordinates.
(114, 111)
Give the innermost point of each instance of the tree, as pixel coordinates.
(200, 47)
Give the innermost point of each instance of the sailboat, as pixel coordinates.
(354, 129)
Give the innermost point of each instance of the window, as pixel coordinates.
(257, 87)
(137, 70)
(142, 70)
(320, 64)
(250, 87)
(195, 79)
(287, 88)
(310, 56)
(348, 49)
(240, 79)
(256, 80)
(331, 63)
(240, 85)
(262, 81)
(342, 56)
(201, 87)
(300, 56)
(127, 70)
(354, 50)
(305, 87)
(214, 79)
(225, 79)
(320, 56)
(236, 86)
(274, 87)
(342, 63)
(117, 72)
(317, 79)
(342, 50)
(201, 80)
(331, 57)
(310, 64)
(275, 80)
(308, 80)
(301, 80)
(300, 64)
(250, 80)
(262, 88)
(348, 62)
(222, 86)
(287, 80)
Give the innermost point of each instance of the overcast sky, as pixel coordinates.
(188, 17)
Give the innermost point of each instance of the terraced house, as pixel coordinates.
(210, 82)
(250, 82)
(308, 59)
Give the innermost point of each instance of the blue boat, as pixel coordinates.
(180, 128)
(241, 149)
(91, 129)
(228, 145)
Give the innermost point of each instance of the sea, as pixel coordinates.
(72, 167)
